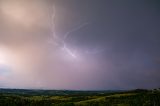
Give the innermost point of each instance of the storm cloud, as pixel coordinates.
(79, 44)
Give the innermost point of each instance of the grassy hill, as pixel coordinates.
(16, 97)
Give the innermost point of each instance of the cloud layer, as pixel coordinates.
(116, 44)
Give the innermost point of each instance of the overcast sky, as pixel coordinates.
(80, 44)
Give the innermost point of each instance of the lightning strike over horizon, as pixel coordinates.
(79, 44)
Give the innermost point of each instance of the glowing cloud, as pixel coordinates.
(22, 12)
(4, 57)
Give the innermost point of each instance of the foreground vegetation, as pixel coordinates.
(9, 97)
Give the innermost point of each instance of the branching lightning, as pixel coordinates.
(69, 51)
(61, 42)
(75, 29)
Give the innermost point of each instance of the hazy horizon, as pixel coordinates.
(80, 44)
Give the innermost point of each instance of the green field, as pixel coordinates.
(16, 97)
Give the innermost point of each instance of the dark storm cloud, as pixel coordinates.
(116, 42)
(129, 32)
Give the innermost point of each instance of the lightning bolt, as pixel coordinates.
(53, 18)
(58, 41)
(74, 29)
(61, 42)
(69, 52)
